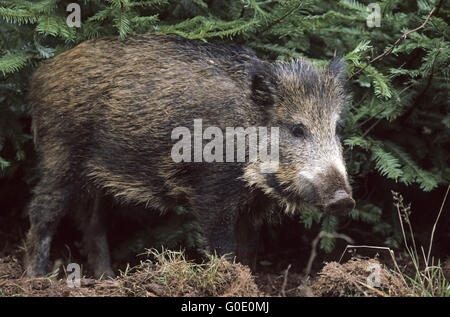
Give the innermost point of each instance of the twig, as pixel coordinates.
(435, 224)
(283, 287)
(396, 43)
(314, 247)
(439, 6)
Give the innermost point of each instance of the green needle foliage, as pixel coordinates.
(396, 126)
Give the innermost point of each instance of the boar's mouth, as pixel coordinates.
(292, 196)
(341, 203)
(338, 204)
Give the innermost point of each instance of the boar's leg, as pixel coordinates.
(218, 228)
(230, 234)
(95, 238)
(48, 206)
(247, 232)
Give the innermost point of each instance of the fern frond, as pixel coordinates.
(4, 164)
(152, 3)
(145, 22)
(366, 212)
(122, 23)
(385, 163)
(18, 16)
(357, 141)
(101, 15)
(309, 215)
(426, 180)
(380, 82)
(13, 62)
(354, 5)
(55, 26)
(330, 225)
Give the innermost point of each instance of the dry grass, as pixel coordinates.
(429, 279)
(172, 275)
(167, 274)
(350, 279)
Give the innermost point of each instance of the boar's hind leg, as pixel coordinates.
(95, 239)
(48, 206)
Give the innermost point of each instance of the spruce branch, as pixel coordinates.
(396, 43)
(280, 19)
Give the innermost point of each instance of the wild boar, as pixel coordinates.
(104, 115)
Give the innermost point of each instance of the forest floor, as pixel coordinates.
(289, 272)
(170, 274)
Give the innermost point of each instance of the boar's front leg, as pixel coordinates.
(218, 229)
(247, 233)
(232, 234)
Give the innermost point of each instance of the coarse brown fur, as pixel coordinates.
(103, 113)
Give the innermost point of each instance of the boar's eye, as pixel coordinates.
(298, 130)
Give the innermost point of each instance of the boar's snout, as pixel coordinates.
(341, 204)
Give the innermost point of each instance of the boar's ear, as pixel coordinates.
(337, 68)
(262, 85)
